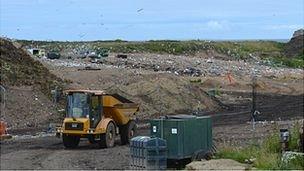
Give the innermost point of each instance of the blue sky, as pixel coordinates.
(150, 19)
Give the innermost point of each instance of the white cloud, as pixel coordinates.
(284, 27)
(217, 25)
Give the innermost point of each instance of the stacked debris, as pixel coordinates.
(196, 67)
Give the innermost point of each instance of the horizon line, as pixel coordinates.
(150, 40)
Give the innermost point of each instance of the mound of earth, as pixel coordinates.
(19, 68)
(26, 101)
(166, 95)
(157, 93)
(295, 46)
(27, 108)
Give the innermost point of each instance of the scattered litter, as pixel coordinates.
(290, 155)
(89, 68)
(37, 135)
(209, 61)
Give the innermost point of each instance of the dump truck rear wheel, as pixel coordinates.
(107, 140)
(128, 132)
(70, 141)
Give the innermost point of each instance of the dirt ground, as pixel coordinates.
(27, 107)
(194, 85)
(218, 164)
(47, 152)
(161, 92)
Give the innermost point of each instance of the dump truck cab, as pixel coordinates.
(97, 116)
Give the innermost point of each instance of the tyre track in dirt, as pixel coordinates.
(272, 107)
(49, 153)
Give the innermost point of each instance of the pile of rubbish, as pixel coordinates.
(196, 67)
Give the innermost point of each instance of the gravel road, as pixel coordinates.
(49, 153)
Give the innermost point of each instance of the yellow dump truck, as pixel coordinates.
(97, 116)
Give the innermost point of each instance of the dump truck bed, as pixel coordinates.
(119, 108)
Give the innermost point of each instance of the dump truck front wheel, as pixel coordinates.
(107, 140)
(127, 132)
(70, 141)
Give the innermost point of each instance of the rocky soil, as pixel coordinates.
(218, 164)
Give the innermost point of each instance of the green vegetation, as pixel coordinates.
(271, 52)
(239, 50)
(195, 80)
(297, 62)
(244, 49)
(266, 155)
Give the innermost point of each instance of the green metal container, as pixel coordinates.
(185, 134)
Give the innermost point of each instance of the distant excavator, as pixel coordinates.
(97, 116)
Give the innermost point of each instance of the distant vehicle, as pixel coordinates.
(53, 55)
(97, 116)
(34, 51)
(37, 52)
(123, 56)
